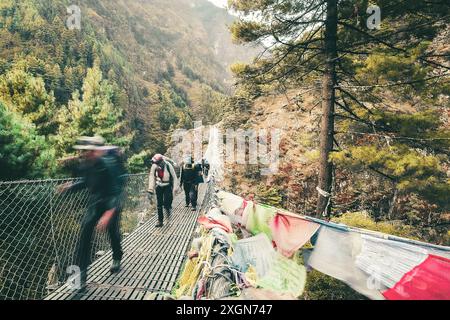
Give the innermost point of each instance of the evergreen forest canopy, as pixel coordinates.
(135, 71)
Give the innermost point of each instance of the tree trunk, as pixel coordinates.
(328, 102)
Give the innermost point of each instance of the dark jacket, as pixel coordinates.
(191, 174)
(105, 179)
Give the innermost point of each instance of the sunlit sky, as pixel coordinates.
(219, 3)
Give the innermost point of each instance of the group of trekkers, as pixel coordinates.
(163, 182)
(103, 173)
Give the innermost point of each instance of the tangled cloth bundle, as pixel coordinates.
(194, 268)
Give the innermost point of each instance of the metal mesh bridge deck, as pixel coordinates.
(152, 260)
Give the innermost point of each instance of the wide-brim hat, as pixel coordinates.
(90, 143)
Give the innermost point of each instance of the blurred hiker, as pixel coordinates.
(191, 177)
(117, 154)
(73, 165)
(163, 181)
(103, 175)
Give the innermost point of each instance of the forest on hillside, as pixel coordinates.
(127, 75)
(385, 136)
(364, 111)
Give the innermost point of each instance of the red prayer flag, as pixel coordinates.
(430, 280)
(290, 232)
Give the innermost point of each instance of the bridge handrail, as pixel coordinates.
(39, 230)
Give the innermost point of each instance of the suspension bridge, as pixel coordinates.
(152, 261)
(39, 231)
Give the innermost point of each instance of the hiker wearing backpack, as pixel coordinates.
(191, 177)
(104, 176)
(163, 181)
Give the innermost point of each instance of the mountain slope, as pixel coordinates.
(159, 58)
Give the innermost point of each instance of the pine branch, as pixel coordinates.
(391, 34)
(391, 46)
(354, 99)
(353, 115)
(383, 174)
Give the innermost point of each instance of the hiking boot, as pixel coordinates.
(115, 267)
(160, 225)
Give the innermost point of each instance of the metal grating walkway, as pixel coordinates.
(151, 263)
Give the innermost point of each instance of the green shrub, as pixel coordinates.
(140, 162)
(364, 221)
(269, 195)
(322, 287)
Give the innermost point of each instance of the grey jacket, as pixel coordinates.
(154, 180)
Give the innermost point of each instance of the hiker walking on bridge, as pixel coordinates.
(191, 177)
(163, 181)
(103, 174)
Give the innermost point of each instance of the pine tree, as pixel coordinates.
(23, 153)
(26, 95)
(92, 114)
(330, 41)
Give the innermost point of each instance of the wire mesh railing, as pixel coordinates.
(210, 198)
(39, 231)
